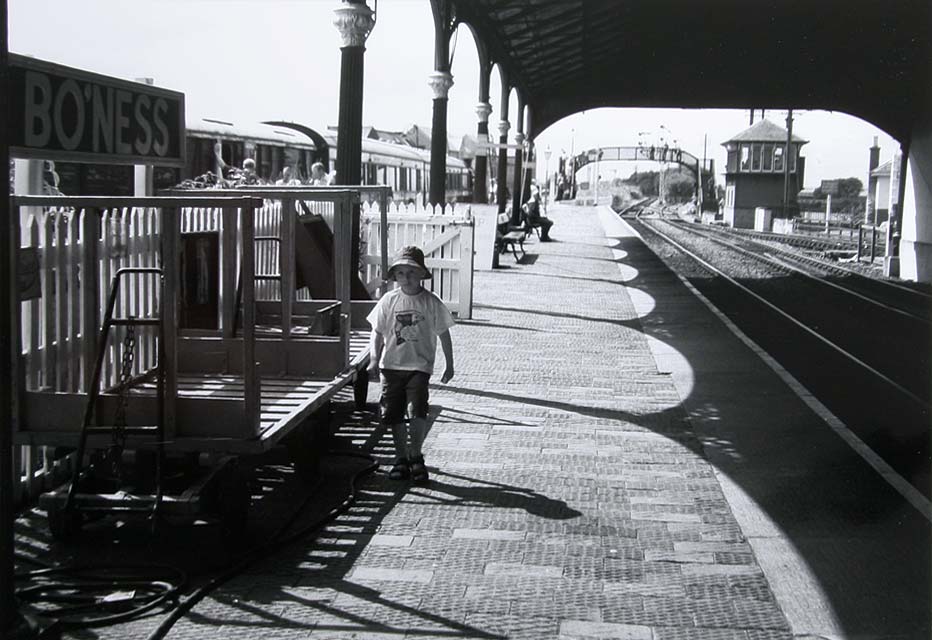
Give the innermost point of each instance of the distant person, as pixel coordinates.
(249, 175)
(406, 323)
(319, 176)
(287, 177)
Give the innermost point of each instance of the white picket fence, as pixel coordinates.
(55, 321)
(446, 235)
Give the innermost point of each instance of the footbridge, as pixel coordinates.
(703, 172)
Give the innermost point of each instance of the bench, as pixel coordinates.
(509, 236)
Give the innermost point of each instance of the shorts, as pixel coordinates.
(400, 389)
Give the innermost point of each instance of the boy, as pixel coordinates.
(406, 323)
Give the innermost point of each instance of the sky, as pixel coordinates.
(253, 60)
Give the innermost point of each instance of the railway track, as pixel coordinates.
(862, 348)
(803, 241)
(898, 298)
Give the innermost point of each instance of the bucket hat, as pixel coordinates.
(410, 256)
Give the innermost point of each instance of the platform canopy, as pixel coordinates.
(869, 58)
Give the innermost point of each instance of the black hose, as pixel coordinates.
(122, 592)
(126, 592)
(267, 549)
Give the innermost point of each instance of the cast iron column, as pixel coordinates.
(480, 184)
(501, 190)
(440, 83)
(483, 110)
(529, 170)
(501, 194)
(519, 156)
(516, 191)
(354, 20)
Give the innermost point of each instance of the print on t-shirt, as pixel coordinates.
(406, 329)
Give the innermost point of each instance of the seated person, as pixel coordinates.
(287, 178)
(535, 218)
(319, 176)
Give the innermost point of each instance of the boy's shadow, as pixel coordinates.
(492, 494)
(479, 493)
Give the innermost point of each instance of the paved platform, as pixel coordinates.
(610, 461)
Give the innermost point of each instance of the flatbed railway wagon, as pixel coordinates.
(161, 376)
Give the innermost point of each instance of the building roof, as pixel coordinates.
(395, 137)
(564, 56)
(420, 136)
(764, 131)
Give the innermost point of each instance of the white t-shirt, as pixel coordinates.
(410, 326)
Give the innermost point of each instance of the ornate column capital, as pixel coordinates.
(519, 138)
(483, 110)
(354, 22)
(440, 83)
(503, 127)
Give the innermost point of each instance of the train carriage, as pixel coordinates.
(214, 146)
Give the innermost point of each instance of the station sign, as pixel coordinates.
(62, 113)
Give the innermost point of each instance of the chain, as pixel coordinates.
(119, 419)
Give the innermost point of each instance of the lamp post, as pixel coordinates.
(548, 183)
(573, 163)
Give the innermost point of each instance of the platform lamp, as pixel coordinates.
(573, 162)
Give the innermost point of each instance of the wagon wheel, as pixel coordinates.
(230, 498)
(361, 388)
(63, 524)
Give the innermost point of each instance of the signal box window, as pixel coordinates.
(768, 157)
(778, 159)
(745, 157)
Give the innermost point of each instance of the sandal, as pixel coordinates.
(419, 471)
(400, 471)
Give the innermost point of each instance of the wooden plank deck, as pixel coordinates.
(285, 403)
